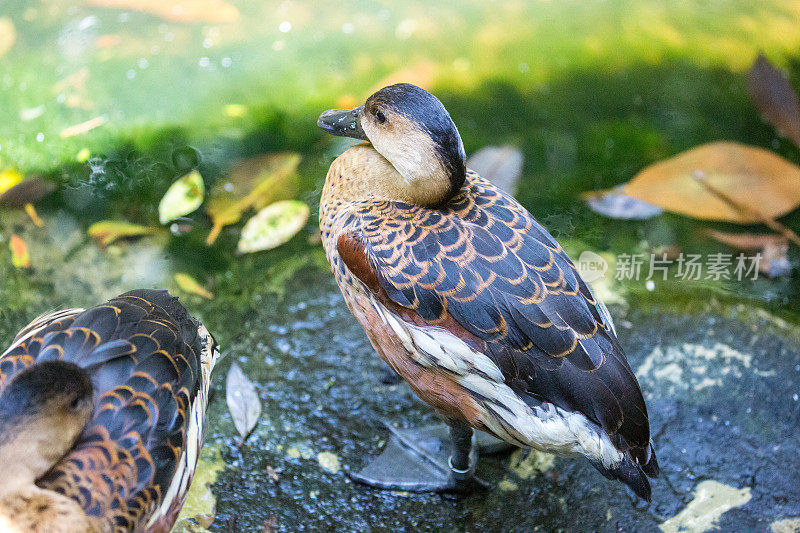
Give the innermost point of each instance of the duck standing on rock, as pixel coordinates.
(472, 302)
(101, 416)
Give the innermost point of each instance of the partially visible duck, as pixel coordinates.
(101, 416)
(471, 301)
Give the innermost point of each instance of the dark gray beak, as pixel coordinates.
(343, 122)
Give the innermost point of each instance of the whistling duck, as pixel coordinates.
(101, 416)
(471, 301)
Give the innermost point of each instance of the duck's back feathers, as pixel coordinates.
(146, 358)
(485, 263)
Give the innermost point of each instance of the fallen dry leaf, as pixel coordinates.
(188, 284)
(502, 165)
(613, 203)
(108, 231)
(176, 10)
(243, 402)
(252, 184)
(274, 225)
(26, 192)
(746, 241)
(747, 210)
(774, 249)
(755, 178)
(273, 475)
(83, 127)
(775, 98)
(184, 196)
(20, 257)
(8, 35)
(30, 210)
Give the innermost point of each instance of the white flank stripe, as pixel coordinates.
(194, 432)
(546, 427)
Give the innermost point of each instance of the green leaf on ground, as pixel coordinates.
(274, 225)
(183, 197)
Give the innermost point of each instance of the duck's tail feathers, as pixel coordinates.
(632, 473)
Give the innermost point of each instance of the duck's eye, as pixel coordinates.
(380, 116)
(76, 403)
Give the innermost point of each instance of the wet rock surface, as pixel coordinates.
(721, 387)
(722, 384)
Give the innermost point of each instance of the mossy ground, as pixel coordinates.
(591, 93)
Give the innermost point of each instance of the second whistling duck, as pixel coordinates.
(101, 416)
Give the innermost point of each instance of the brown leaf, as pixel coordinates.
(27, 192)
(273, 475)
(176, 10)
(252, 184)
(746, 241)
(774, 249)
(774, 97)
(755, 178)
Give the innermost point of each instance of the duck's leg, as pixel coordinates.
(429, 459)
(463, 458)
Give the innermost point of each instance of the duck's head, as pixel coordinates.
(411, 128)
(43, 410)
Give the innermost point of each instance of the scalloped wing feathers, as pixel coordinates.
(143, 353)
(484, 261)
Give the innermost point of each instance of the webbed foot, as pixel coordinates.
(422, 460)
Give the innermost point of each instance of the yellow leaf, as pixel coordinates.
(187, 283)
(34, 216)
(8, 35)
(183, 197)
(108, 231)
(273, 226)
(252, 184)
(235, 110)
(176, 10)
(20, 257)
(755, 178)
(8, 178)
